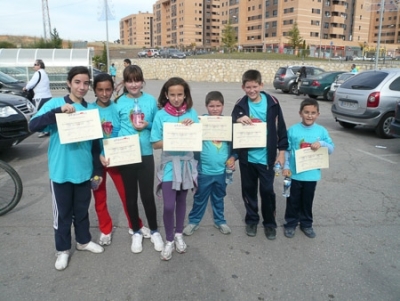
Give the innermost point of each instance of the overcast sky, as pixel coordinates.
(73, 19)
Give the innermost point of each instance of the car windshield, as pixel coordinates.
(365, 80)
(6, 79)
(343, 77)
(281, 71)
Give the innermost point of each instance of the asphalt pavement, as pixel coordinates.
(355, 255)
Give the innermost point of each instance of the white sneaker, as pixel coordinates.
(105, 239)
(145, 232)
(157, 240)
(91, 247)
(166, 253)
(62, 260)
(130, 231)
(180, 245)
(136, 246)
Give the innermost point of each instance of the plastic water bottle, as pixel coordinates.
(287, 182)
(277, 169)
(228, 176)
(137, 114)
(95, 182)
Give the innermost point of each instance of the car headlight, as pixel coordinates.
(7, 111)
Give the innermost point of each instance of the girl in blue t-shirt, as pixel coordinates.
(136, 110)
(103, 89)
(177, 172)
(70, 169)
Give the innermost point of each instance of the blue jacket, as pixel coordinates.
(276, 127)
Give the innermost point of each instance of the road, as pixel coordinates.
(355, 255)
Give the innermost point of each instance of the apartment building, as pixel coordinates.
(136, 30)
(264, 25)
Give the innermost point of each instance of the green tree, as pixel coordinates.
(55, 39)
(295, 40)
(228, 37)
(54, 42)
(4, 44)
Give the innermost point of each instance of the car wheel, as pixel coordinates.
(313, 96)
(383, 128)
(347, 125)
(293, 89)
(325, 96)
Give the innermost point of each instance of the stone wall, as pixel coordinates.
(216, 70)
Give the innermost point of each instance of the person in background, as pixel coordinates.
(178, 170)
(41, 86)
(71, 168)
(103, 88)
(301, 135)
(354, 69)
(257, 164)
(127, 62)
(213, 161)
(113, 71)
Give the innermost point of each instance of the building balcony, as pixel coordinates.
(338, 8)
(336, 30)
(337, 19)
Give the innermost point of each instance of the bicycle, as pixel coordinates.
(10, 186)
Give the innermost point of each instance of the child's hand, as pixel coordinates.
(286, 173)
(187, 121)
(105, 162)
(230, 163)
(244, 120)
(315, 146)
(142, 125)
(68, 108)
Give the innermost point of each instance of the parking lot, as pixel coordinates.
(355, 255)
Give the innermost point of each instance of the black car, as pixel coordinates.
(15, 113)
(11, 85)
(395, 125)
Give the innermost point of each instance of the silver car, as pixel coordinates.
(368, 99)
(338, 81)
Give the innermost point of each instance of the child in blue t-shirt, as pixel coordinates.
(178, 170)
(213, 161)
(301, 135)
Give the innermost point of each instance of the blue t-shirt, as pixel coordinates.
(70, 162)
(299, 133)
(157, 134)
(113, 71)
(258, 111)
(148, 106)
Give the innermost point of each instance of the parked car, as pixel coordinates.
(15, 113)
(11, 85)
(152, 53)
(368, 98)
(19, 73)
(172, 53)
(285, 77)
(395, 125)
(142, 53)
(318, 85)
(338, 81)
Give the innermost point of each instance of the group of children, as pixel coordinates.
(178, 171)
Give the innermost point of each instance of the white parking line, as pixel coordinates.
(376, 156)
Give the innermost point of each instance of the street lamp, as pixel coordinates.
(378, 45)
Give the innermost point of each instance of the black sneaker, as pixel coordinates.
(251, 230)
(289, 232)
(270, 233)
(309, 232)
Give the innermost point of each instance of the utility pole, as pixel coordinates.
(46, 20)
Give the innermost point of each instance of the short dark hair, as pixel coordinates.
(309, 102)
(40, 63)
(214, 95)
(175, 81)
(102, 77)
(128, 61)
(75, 71)
(251, 76)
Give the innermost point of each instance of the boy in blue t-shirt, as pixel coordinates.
(301, 135)
(256, 164)
(213, 161)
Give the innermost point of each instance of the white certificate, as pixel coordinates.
(180, 137)
(217, 128)
(79, 126)
(246, 136)
(122, 150)
(307, 159)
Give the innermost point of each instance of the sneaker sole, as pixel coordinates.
(102, 243)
